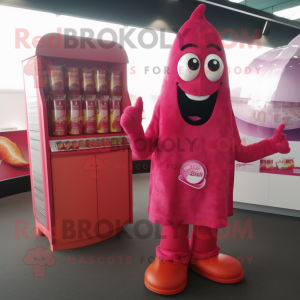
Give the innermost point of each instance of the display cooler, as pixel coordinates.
(80, 196)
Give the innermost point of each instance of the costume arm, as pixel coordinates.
(253, 152)
(142, 145)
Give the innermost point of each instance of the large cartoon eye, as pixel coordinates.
(188, 66)
(213, 67)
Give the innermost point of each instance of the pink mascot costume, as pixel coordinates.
(194, 142)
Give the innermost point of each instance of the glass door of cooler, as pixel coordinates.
(113, 190)
(75, 196)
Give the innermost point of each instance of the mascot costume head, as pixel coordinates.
(198, 74)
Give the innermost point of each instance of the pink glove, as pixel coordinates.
(131, 119)
(131, 122)
(279, 140)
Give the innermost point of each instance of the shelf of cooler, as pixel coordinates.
(86, 136)
(53, 143)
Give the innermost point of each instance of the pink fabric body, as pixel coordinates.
(175, 246)
(172, 141)
(214, 143)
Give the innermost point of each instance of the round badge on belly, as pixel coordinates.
(193, 173)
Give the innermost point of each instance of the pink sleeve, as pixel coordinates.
(254, 151)
(144, 144)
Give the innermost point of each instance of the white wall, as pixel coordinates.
(12, 110)
(281, 191)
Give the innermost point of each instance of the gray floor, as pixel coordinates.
(273, 271)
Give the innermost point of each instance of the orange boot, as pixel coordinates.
(166, 277)
(220, 268)
(208, 262)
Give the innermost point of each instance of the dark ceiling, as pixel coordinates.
(271, 5)
(173, 13)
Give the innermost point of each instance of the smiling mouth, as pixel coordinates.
(197, 98)
(196, 110)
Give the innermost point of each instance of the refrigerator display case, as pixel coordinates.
(80, 196)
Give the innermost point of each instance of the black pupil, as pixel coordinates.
(193, 64)
(213, 65)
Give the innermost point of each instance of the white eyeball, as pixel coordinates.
(213, 67)
(188, 66)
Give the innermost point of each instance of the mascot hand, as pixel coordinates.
(279, 140)
(131, 119)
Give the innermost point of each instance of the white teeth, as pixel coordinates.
(197, 98)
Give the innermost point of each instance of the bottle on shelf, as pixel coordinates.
(89, 114)
(59, 115)
(72, 81)
(56, 80)
(115, 102)
(74, 113)
(102, 100)
(87, 81)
